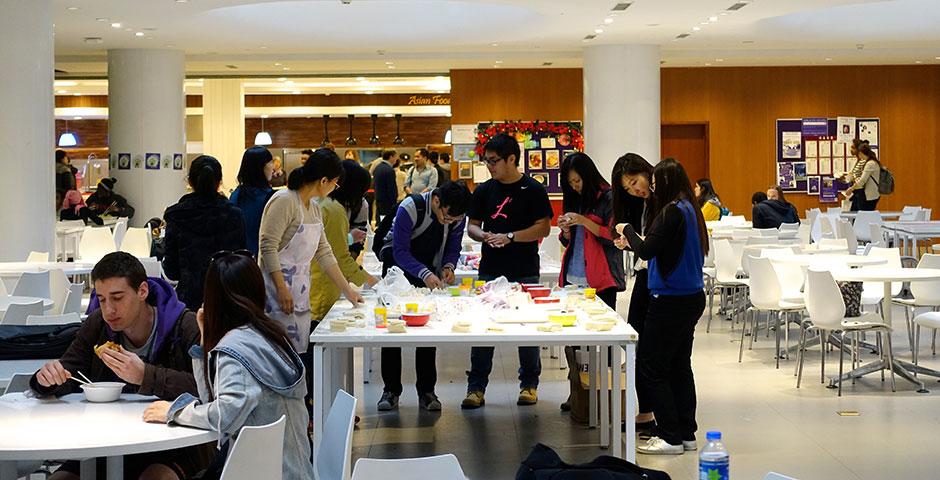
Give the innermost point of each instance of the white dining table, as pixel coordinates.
(817, 249)
(6, 300)
(15, 269)
(830, 260)
(887, 276)
(72, 428)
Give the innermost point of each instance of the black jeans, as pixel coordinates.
(425, 369)
(609, 297)
(861, 203)
(664, 364)
(636, 317)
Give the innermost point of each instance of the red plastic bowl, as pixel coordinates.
(527, 286)
(416, 319)
(541, 300)
(537, 292)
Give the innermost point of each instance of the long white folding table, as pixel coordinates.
(908, 234)
(333, 360)
(71, 428)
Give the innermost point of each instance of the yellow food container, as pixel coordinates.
(381, 315)
(563, 319)
(590, 293)
(454, 291)
(411, 308)
(478, 285)
(467, 281)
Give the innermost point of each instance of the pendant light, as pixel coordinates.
(350, 140)
(326, 131)
(375, 138)
(398, 140)
(447, 136)
(67, 139)
(263, 137)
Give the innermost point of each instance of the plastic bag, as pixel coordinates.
(393, 286)
(495, 292)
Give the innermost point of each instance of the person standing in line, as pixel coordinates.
(291, 237)
(864, 192)
(632, 176)
(509, 214)
(675, 246)
(424, 241)
(422, 177)
(707, 199)
(253, 191)
(386, 185)
(401, 176)
(305, 155)
(64, 175)
(201, 223)
(278, 177)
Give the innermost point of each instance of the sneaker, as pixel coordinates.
(528, 396)
(474, 400)
(689, 445)
(644, 430)
(389, 401)
(429, 402)
(658, 446)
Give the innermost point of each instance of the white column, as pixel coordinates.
(223, 125)
(27, 142)
(621, 103)
(146, 110)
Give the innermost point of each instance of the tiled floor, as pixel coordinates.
(767, 423)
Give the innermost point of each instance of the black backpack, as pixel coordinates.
(544, 464)
(24, 342)
(381, 231)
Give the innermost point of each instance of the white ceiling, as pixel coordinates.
(271, 37)
(428, 85)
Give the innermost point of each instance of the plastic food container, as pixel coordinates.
(546, 300)
(527, 286)
(563, 319)
(103, 392)
(416, 319)
(536, 292)
(590, 293)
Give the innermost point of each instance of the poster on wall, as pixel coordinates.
(812, 166)
(815, 127)
(792, 145)
(153, 161)
(845, 129)
(465, 152)
(463, 133)
(868, 130)
(124, 161)
(177, 161)
(480, 172)
(838, 149)
(543, 146)
(799, 172)
(838, 167)
(825, 166)
(810, 149)
(552, 159)
(464, 170)
(812, 185)
(138, 162)
(785, 176)
(828, 190)
(825, 148)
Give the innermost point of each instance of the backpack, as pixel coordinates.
(382, 229)
(543, 464)
(23, 342)
(885, 181)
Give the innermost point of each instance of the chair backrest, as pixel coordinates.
(928, 212)
(841, 242)
(710, 257)
(777, 476)
(95, 243)
(790, 275)
(823, 300)
(17, 313)
(803, 233)
(767, 232)
(848, 233)
(876, 235)
(733, 219)
(765, 287)
(19, 382)
(61, 319)
(893, 256)
(928, 292)
(59, 286)
(762, 240)
(910, 208)
(334, 455)
(33, 284)
(921, 215)
(120, 229)
(37, 257)
(834, 211)
(550, 248)
(73, 302)
(437, 467)
(152, 266)
(909, 214)
(789, 226)
(825, 227)
(258, 452)
(863, 222)
(136, 242)
(726, 268)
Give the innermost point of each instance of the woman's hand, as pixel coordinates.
(621, 242)
(200, 318)
(156, 412)
(358, 236)
(575, 218)
(353, 296)
(285, 299)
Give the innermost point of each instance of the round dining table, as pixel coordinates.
(830, 260)
(72, 428)
(15, 269)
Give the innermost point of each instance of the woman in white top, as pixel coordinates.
(291, 237)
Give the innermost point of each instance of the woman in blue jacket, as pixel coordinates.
(253, 191)
(675, 246)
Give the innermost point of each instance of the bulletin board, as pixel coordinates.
(543, 145)
(813, 152)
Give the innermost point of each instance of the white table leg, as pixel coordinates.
(8, 470)
(115, 468)
(616, 417)
(605, 395)
(592, 386)
(630, 410)
(317, 394)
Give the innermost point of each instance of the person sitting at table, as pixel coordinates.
(758, 197)
(106, 202)
(424, 242)
(152, 331)
(707, 199)
(74, 208)
(251, 376)
(774, 211)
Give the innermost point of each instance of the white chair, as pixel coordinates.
(37, 257)
(908, 214)
(921, 215)
(863, 222)
(19, 382)
(767, 232)
(726, 279)
(827, 315)
(803, 233)
(258, 452)
(834, 211)
(926, 295)
(33, 284)
(443, 467)
(825, 227)
(777, 476)
(334, 455)
(789, 275)
(3, 289)
(59, 286)
(95, 243)
(550, 249)
(873, 292)
(152, 266)
(839, 242)
(928, 212)
(17, 313)
(766, 296)
(136, 242)
(876, 236)
(62, 319)
(120, 229)
(848, 234)
(73, 302)
(929, 320)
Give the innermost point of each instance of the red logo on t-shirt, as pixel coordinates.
(499, 209)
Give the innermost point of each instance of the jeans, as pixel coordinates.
(425, 369)
(664, 364)
(481, 359)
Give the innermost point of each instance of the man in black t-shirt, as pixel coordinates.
(510, 213)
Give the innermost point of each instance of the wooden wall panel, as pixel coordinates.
(516, 94)
(90, 133)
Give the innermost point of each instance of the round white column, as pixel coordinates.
(27, 141)
(146, 115)
(621, 103)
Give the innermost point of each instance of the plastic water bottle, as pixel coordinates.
(713, 461)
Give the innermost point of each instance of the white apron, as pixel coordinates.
(295, 261)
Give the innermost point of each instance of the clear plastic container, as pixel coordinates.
(713, 461)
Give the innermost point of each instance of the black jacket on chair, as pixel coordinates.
(772, 213)
(197, 227)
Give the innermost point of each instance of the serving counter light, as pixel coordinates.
(67, 139)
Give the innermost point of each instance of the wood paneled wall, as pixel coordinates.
(516, 94)
(741, 106)
(308, 132)
(90, 133)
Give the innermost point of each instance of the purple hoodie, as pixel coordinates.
(169, 311)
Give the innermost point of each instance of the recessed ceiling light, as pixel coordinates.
(77, 94)
(918, 61)
(713, 18)
(707, 64)
(139, 34)
(388, 115)
(719, 59)
(695, 29)
(499, 61)
(369, 92)
(598, 30)
(115, 25)
(264, 115)
(828, 59)
(61, 92)
(703, 23)
(608, 20)
(77, 118)
(102, 19)
(723, 14)
(72, 9)
(276, 64)
(391, 67)
(936, 58)
(182, 1)
(285, 68)
(494, 45)
(263, 47)
(360, 79)
(390, 63)
(496, 66)
(296, 92)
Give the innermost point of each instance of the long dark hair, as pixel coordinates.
(627, 208)
(707, 191)
(251, 171)
(592, 183)
(323, 163)
(234, 297)
(205, 175)
(672, 184)
(356, 181)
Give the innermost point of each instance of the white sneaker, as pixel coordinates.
(658, 446)
(689, 445)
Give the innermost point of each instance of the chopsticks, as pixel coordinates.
(84, 380)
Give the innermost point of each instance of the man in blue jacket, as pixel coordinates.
(385, 184)
(424, 242)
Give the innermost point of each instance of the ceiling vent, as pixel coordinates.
(232, 67)
(737, 6)
(547, 64)
(621, 6)
(682, 35)
(590, 37)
